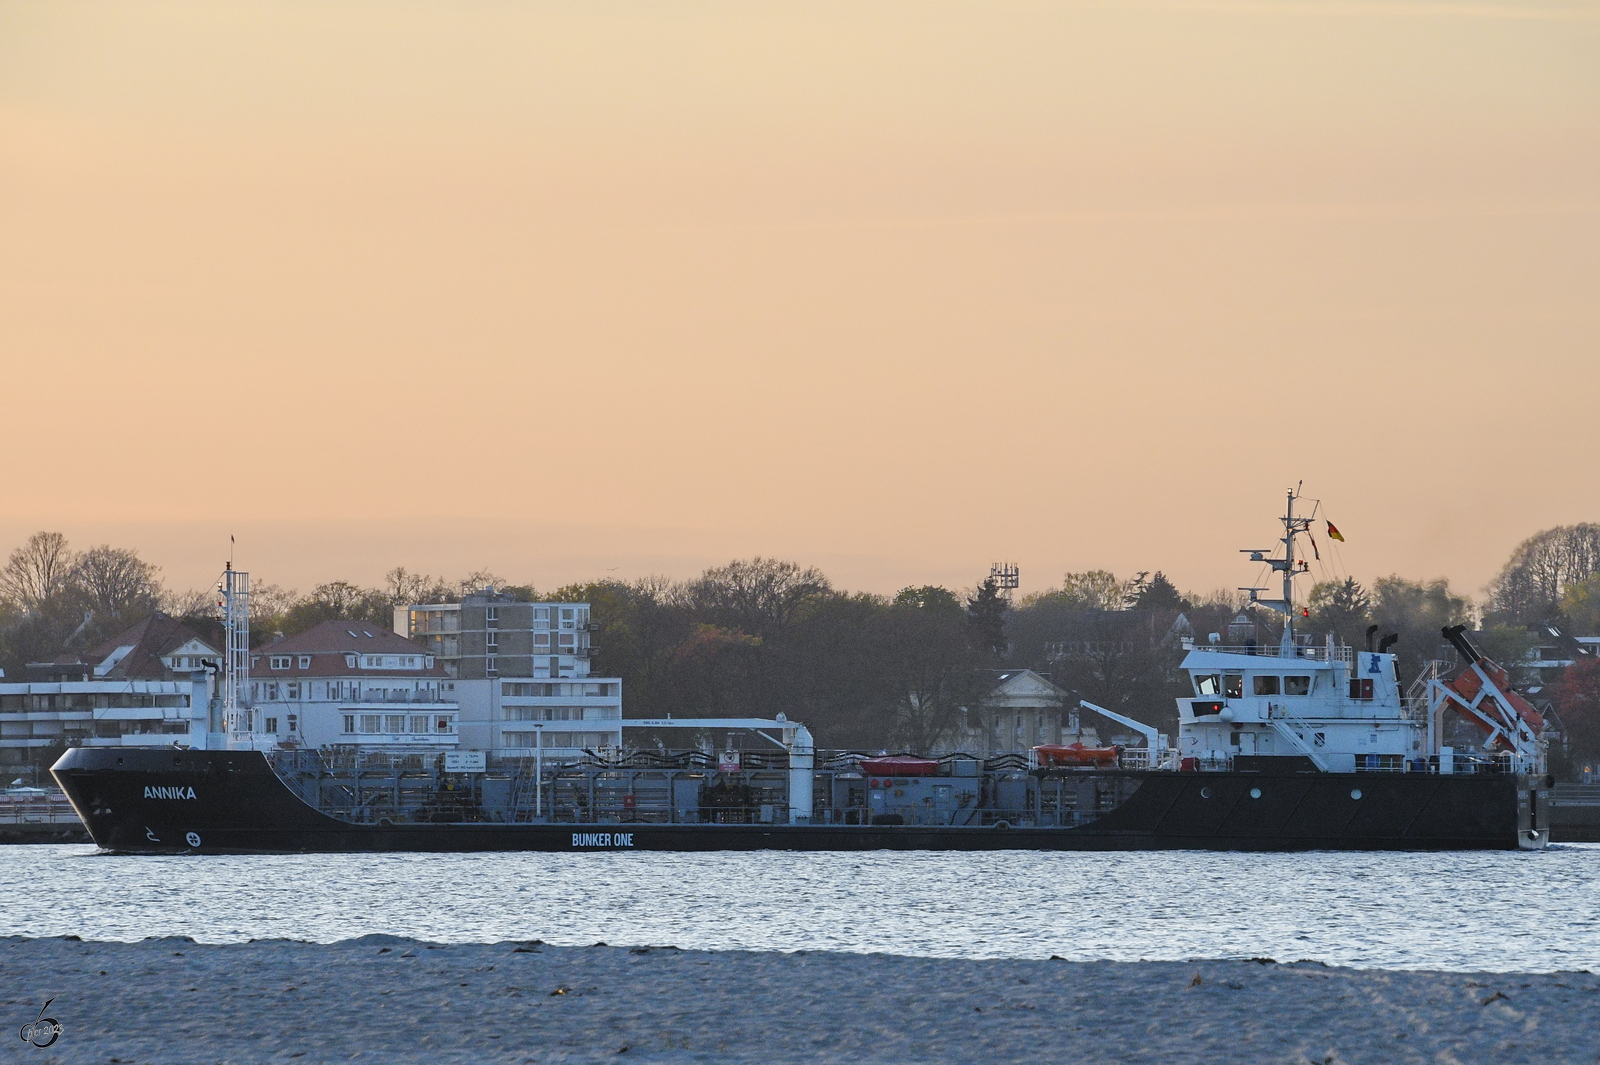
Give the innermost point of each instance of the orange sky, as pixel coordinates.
(587, 288)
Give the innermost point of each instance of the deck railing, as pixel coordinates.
(43, 810)
(1307, 652)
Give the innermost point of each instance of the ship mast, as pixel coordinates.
(1288, 565)
(236, 716)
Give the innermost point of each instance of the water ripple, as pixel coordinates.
(1494, 911)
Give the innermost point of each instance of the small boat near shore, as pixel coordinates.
(1303, 745)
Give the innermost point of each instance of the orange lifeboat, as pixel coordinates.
(1469, 684)
(900, 765)
(1056, 755)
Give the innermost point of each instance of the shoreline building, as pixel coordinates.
(520, 673)
(351, 683)
(1022, 709)
(154, 682)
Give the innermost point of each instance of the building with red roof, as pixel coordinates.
(351, 682)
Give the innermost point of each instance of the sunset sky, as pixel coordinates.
(601, 288)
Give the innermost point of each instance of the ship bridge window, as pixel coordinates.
(1208, 684)
(1265, 685)
(1297, 685)
(1233, 685)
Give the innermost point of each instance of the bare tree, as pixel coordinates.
(478, 580)
(269, 602)
(37, 571)
(1530, 587)
(194, 603)
(761, 596)
(115, 581)
(404, 588)
(934, 669)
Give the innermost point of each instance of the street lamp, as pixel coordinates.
(538, 770)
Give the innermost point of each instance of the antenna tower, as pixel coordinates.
(1006, 577)
(235, 604)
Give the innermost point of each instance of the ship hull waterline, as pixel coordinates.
(167, 801)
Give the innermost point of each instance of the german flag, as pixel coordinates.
(1334, 533)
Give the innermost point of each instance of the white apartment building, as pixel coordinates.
(153, 683)
(564, 717)
(520, 673)
(351, 683)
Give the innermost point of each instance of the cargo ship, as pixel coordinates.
(1301, 745)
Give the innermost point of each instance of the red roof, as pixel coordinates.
(151, 637)
(327, 646)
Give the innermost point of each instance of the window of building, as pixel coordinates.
(305, 661)
(541, 613)
(293, 690)
(349, 724)
(419, 724)
(492, 640)
(294, 723)
(490, 667)
(278, 661)
(1265, 685)
(444, 725)
(491, 614)
(565, 641)
(541, 639)
(272, 724)
(569, 617)
(394, 722)
(556, 713)
(350, 661)
(1297, 685)
(371, 722)
(272, 693)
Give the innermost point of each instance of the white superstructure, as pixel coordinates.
(1340, 709)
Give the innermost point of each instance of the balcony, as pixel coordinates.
(401, 739)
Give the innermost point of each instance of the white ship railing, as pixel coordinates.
(1308, 652)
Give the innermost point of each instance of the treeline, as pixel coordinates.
(762, 636)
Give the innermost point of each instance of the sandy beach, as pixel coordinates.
(384, 999)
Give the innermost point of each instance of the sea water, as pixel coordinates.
(1502, 911)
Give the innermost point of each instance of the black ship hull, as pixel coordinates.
(165, 801)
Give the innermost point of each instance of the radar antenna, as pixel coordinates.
(1288, 565)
